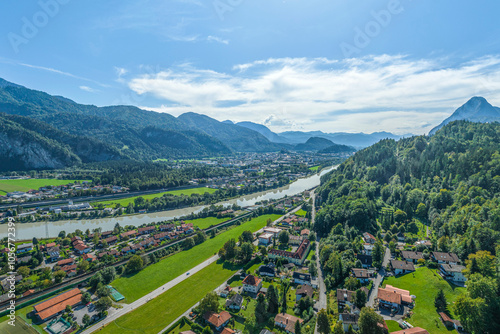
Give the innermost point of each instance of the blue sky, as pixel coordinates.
(330, 65)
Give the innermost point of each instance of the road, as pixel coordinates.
(322, 300)
(186, 314)
(378, 279)
(139, 302)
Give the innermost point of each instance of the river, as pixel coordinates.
(51, 229)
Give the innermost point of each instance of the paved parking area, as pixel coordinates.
(80, 310)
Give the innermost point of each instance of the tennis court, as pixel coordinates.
(115, 294)
(58, 326)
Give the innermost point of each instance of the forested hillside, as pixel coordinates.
(449, 181)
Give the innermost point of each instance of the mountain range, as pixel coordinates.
(38, 130)
(477, 109)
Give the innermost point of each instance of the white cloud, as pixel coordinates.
(217, 39)
(387, 92)
(87, 89)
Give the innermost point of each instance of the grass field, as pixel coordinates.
(7, 186)
(301, 213)
(161, 311)
(425, 284)
(392, 325)
(314, 168)
(19, 328)
(204, 223)
(164, 271)
(125, 201)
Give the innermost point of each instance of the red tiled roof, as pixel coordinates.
(56, 304)
(389, 296)
(65, 261)
(217, 320)
(252, 280)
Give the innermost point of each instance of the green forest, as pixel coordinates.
(449, 181)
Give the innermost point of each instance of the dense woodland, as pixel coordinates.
(449, 181)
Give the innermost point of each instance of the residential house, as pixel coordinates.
(267, 270)
(252, 284)
(167, 227)
(265, 239)
(65, 262)
(349, 319)
(368, 249)
(162, 236)
(274, 231)
(227, 331)
(296, 257)
(54, 254)
(448, 258)
(411, 256)
(111, 240)
(362, 275)
(301, 278)
(294, 240)
(449, 322)
(389, 299)
(402, 267)
(346, 297)
(146, 230)
(304, 291)
(89, 257)
(235, 302)
(224, 293)
(23, 248)
(369, 238)
(128, 234)
(405, 294)
(217, 320)
(305, 233)
(366, 260)
(453, 272)
(286, 322)
(400, 236)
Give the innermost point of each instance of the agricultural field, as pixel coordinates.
(157, 314)
(125, 201)
(425, 284)
(135, 286)
(7, 186)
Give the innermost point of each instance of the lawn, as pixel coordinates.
(161, 311)
(125, 201)
(182, 327)
(425, 284)
(164, 271)
(392, 325)
(310, 255)
(7, 186)
(314, 168)
(301, 213)
(19, 328)
(204, 223)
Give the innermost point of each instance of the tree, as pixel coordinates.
(284, 237)
(350, 330)
(135, 263)
(272, 300)
(23, 271)
(83, 266)
(338, 328)
(86, 320)
(59, 276)
(34, 241)
(421, 211)
(440, 301)
(260, 309)
(312, 237)
(360, 298)
(485, 263)
(246, 251)
(352, 284)
(246, 236)
(210, 303)
(207, 330)
(368, 322)
(103, 291)
(230, 249)
(188, 243)
(108, 275)
(103, 304)
(68, 309)
(298, 327)
(200, 237)
(378, 254)
(400, 216)
(269, 222)
(313, 270)
(286, 286)
(323, 322)
(95, 280)
(86, 298)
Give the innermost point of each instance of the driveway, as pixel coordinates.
(378, 279)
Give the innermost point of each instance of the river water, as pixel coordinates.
(51, 229)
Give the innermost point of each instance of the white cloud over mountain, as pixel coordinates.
(390, 92)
